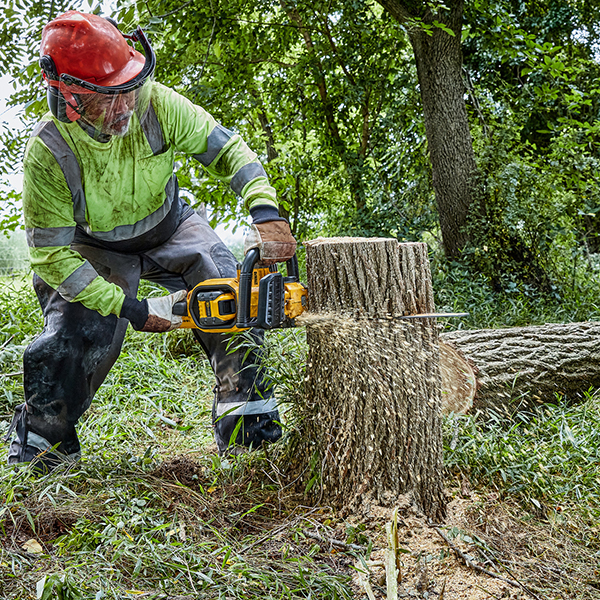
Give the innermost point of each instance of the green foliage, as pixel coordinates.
(58, 587)
(512, 303)
(517, 218)
(533, 218)
(14, 258)
(315, 88)
(532, 73)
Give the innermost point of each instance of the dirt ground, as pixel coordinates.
(522, 560)
(512, 555)
(428, 567)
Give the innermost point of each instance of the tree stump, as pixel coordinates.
(373, 381)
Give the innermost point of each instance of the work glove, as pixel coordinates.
(271, 234)
(153, 314)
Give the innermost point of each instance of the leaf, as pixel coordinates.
(33, 547)
(39, 588)
(444, 28)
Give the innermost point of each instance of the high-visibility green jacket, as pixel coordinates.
(122, 193)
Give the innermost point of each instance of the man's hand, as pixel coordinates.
(274, 239)
(154, 314)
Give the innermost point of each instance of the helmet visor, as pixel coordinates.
(108, 109)
(108, 114)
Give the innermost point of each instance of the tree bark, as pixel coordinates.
(521, 367)
(373, 382)
(438, 56)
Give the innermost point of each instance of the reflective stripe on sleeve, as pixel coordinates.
(216, 141)
(77, 281)
(68, 164)
(256, 407)
(45, 237)
(245, 175)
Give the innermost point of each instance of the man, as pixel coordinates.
(102, 210)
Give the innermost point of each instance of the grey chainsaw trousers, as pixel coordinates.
(66, 364)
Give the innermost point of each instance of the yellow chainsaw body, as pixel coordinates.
(212, 305)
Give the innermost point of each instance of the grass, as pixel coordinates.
(537, 480)
(549, 460)
(153, 512)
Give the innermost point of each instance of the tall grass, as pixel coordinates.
(151, 509)
(548, 460)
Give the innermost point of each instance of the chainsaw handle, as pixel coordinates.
(181, 308)
(293, 271)
(250, 260)
(245, 289)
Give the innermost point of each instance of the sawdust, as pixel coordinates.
(428, 567)
(524, 557)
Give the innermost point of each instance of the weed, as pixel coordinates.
(548, 459)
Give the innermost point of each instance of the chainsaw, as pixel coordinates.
(258, 297)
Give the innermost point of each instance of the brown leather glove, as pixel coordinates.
(274, 239)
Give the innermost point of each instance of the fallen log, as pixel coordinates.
(518, 367)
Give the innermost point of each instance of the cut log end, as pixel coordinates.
(459, 382)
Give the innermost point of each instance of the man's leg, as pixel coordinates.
(195, 253)
(66, 364)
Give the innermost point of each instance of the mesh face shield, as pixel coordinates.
(107, 113)
(105, 109)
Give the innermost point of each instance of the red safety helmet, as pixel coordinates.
(93, 73)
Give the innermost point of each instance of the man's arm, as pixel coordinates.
(50, 229)
(227, 157)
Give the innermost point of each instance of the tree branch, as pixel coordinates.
(462, 556)
(398, 10)
(295, 17)
(335, 51)
(175, 10)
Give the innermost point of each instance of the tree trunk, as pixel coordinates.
(373, 383)
(524, 366)
(438, 56)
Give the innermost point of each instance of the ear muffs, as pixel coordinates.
(57, 103)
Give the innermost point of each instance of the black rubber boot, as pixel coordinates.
(30, 447)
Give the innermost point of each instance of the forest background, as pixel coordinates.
(473, 127)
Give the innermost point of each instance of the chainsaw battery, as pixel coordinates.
(214, 308)
(271, 294)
